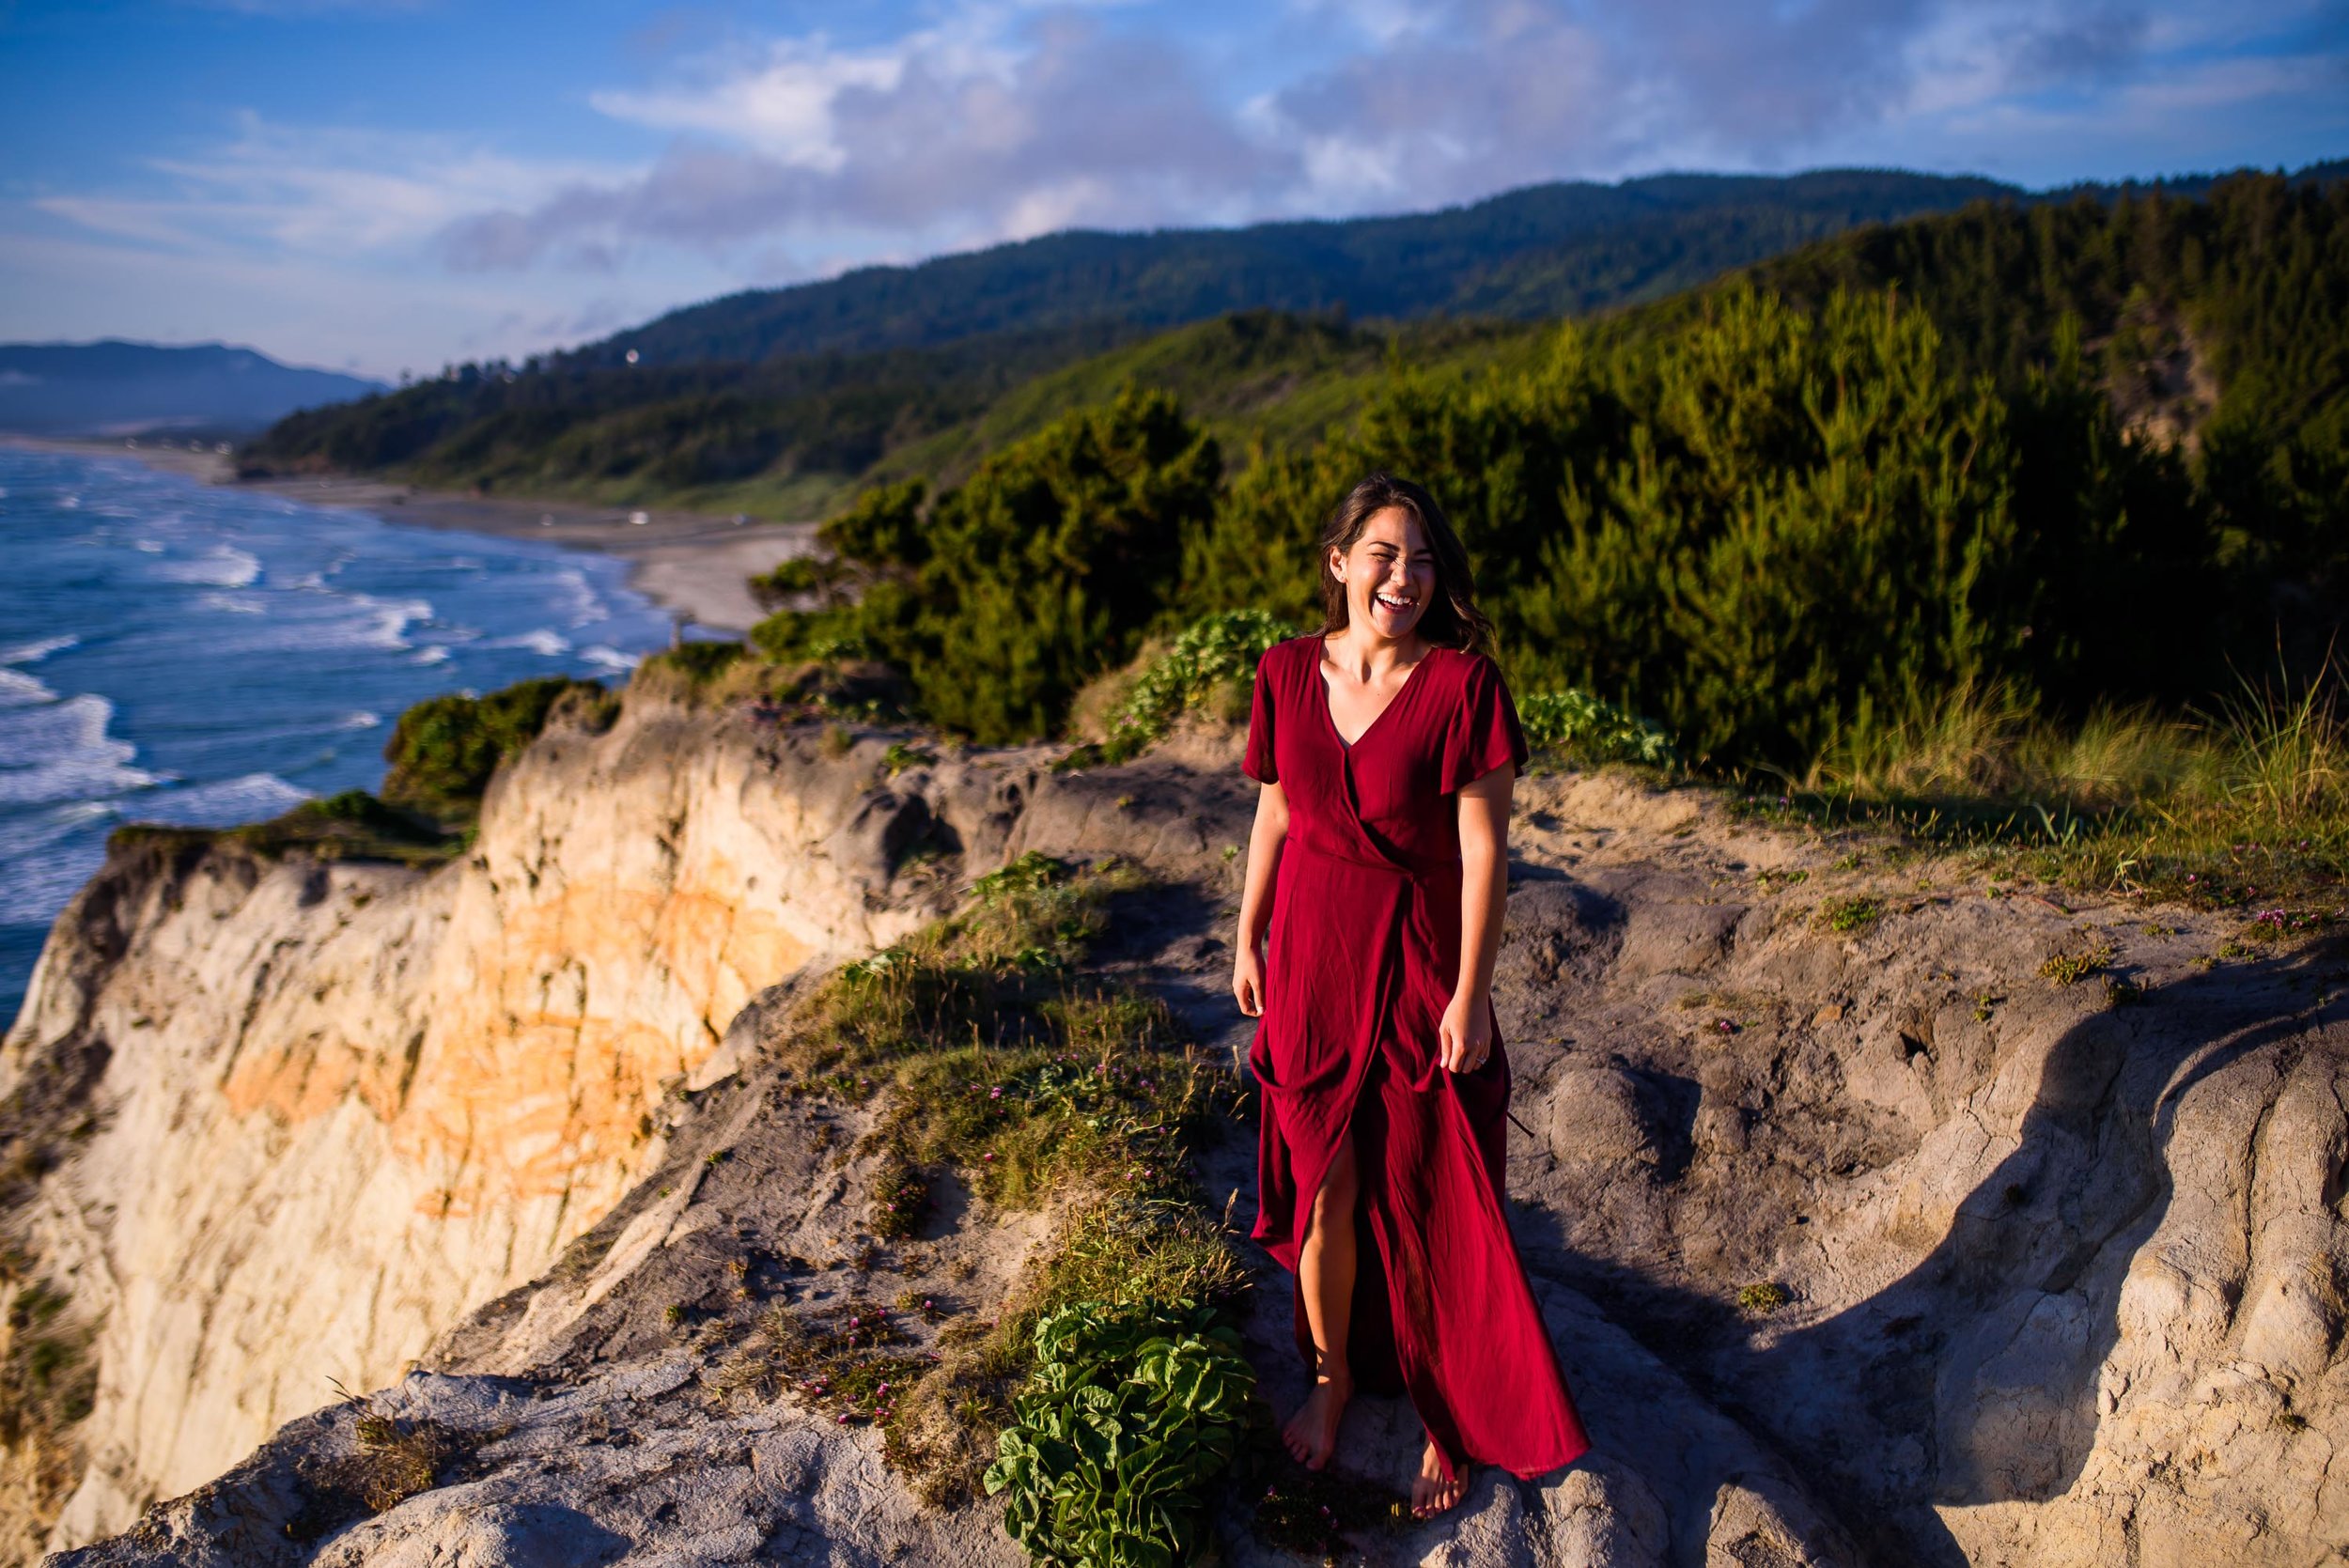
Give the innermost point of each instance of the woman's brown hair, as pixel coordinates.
(1451, 619)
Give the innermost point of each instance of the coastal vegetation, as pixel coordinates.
(2020, 523)
(439, 759)
(1004, 1063)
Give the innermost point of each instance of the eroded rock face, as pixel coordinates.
(345, 1103)
(2059, 1282)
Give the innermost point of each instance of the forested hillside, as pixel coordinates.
(1546, 250)
(777, 401)
(792, 435)
(1813, 505)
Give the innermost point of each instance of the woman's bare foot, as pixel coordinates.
(1311, 1434)
(1431, 1494)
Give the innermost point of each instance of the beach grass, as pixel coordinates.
(2241, 803)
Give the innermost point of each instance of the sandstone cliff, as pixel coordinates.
(1863, 1239)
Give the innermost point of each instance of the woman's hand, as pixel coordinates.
(1248, 979)
(1465, 1034)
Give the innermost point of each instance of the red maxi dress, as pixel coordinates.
(1361, 956)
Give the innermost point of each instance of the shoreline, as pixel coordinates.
(694, 566)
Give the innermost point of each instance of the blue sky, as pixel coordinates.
(384, 184)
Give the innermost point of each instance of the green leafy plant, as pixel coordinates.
(444, 749)
(1846, 915)
(2076, 964)
(1587, 730)
(1212, 661)
(1129, 1413)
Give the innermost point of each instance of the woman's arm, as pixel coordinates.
(1265, 839)
(1466, 1032)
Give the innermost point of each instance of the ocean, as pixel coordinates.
(172, 651)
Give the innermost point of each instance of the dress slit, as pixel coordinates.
(1372, 1358)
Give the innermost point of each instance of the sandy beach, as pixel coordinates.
(694, 566)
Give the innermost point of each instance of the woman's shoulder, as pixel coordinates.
(1471, 666)
(1293, 651)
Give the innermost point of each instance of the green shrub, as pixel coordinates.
(1129, 1414)
(699, 661)
(1212, 660)
(1846, 915)
(1587, 731)
(352, 825)
(1013, 590)
(443, 750)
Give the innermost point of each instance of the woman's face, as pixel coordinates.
(1388, 574)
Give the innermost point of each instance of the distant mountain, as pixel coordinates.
(782, 402)
(116, 388)
(1546, 250)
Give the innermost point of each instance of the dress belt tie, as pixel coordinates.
(1416, 870)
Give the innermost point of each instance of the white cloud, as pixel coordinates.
(328, 193)
(797, 156)
(782, 107)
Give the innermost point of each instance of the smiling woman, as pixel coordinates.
(1387, 744)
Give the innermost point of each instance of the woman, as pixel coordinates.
(1387, 745)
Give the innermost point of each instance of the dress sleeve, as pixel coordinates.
(1484, 730)
(1258, 761)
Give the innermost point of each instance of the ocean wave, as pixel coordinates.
(45, 857)
(334, 622)
(34, 887)
(233, 604)
(221, 566)
(544, 639)
(224, 802)
(362, 719)
(32, 831)
(435, 655)
(34, 652)
(586, 606)
(610, 659)
(61, 752)
(19, 689)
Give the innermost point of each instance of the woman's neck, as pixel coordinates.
(1371, 655)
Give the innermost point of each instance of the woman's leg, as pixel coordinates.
(1325, 1277)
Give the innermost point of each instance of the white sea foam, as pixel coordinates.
(19, 689)
(61, 752)
(362, 719)
(221, 566)
(431, 656)
(579, 600)
(332, 622)
(248, 797)
(233, 604)
(610, 659)
(39, 869)
(34, 652)
(148, 547)
(545, 640)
